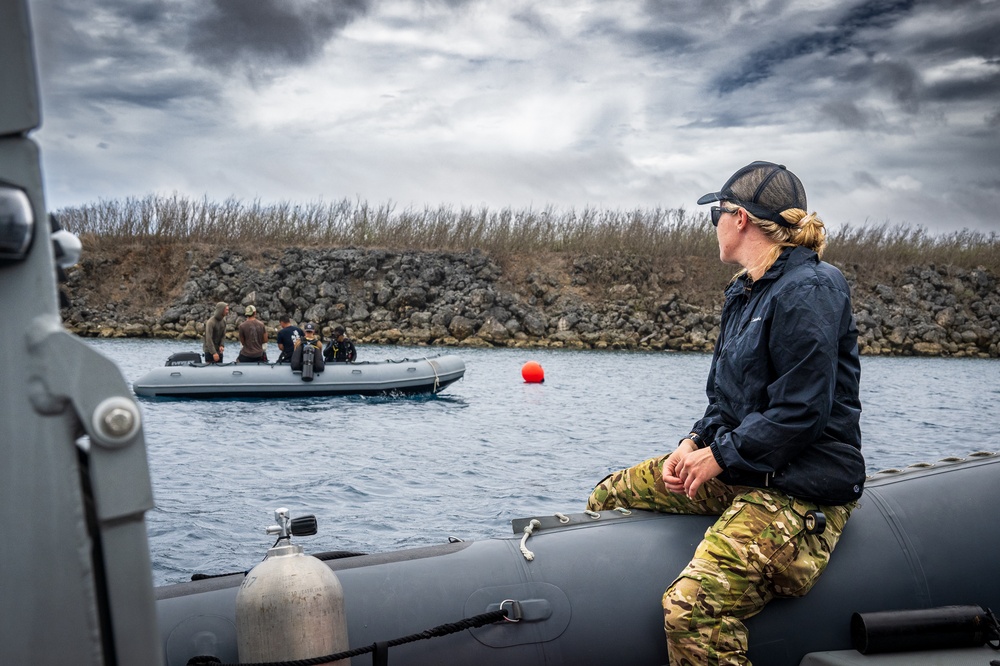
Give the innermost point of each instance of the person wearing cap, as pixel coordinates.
(340, 349)
(777, 454)
(215, 334)
(287, 335)
(253, 338)
(309, 338)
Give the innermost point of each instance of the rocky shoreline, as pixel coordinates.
(467, 299)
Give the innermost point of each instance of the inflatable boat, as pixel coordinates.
(921, 555)
(183, 377)
(587, 587)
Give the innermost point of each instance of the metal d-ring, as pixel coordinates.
(515, 610)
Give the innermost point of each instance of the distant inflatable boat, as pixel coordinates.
(184, 377)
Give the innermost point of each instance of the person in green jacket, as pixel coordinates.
(215, 334)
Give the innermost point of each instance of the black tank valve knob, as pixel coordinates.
(815, 522)
(304, 526)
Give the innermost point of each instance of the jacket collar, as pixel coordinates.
(790, 258)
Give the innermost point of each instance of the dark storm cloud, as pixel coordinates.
(98, 52)
(686, 13)
(64, 37)
(845, 113)
(838, 38)
(670, 28)
(865, 179)
(984, 88)
(664, 40)
(976, 36)
(532, 20)
(867, 15)
(150, 93)
(268, 33)
(144, 14)
(900, 81)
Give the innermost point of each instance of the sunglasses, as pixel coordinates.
(717, 212)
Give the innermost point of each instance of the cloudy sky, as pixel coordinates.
(888, 110)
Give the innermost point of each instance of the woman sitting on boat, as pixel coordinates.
(779, 446)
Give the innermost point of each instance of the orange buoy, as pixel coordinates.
(532, 373)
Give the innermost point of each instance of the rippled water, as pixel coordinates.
(387, 473)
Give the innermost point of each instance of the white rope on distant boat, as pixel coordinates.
(436, 380)
(528, 530)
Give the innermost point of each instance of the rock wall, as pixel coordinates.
(466, 299)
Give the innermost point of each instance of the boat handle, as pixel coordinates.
(237, 373)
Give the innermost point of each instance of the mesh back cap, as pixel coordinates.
(763, 188)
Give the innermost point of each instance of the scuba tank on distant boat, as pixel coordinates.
(291, 605)
(308, 360)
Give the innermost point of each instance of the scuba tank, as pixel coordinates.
(308, 358)
(291, 605)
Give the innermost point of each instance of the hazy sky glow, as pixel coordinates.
(889, 111)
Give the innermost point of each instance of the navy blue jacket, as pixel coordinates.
(783, 389)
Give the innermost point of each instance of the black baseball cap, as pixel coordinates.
(763, 188)
(309, 327)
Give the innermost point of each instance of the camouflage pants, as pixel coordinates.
(758, 549)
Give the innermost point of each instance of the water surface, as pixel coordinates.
(387, 473)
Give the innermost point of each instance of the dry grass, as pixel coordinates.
(661, 235)
(890, 247)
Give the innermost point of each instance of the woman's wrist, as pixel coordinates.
(695, 439)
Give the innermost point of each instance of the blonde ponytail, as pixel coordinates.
(809, 231)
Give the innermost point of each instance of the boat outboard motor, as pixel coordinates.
(308, 359)
(184, 358)
(291, 605)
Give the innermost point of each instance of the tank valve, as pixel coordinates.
(288, 527)
(815, 522)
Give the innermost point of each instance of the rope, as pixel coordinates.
(436, 379)
(436, 632)
(528, 530)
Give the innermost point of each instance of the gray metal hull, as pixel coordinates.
(917, 540)
(264, 380)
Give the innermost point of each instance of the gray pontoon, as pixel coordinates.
(266, 380)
